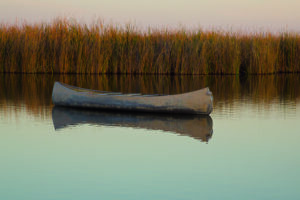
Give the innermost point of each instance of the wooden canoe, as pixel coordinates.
(199, 127)
(196, 102)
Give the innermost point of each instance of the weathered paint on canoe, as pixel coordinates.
(196, 102)
(199, 127)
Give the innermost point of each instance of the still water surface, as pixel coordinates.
(247, 149)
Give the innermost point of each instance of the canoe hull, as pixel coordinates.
(197, 102)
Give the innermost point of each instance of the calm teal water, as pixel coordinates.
(253, 152)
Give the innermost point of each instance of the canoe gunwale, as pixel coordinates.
(79, 89)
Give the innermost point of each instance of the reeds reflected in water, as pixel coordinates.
(33, 92)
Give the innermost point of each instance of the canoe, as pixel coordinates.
(196, 102)
(199, 127)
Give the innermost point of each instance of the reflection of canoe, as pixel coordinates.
(199, 127)
(197, 102)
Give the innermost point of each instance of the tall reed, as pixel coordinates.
(67, 47)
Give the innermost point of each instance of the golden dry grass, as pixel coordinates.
(67, 47)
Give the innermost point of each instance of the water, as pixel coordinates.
(248, 148)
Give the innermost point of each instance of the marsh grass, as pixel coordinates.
(68, 47)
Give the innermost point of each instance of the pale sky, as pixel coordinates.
(274, 15)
